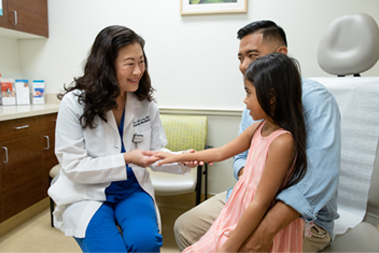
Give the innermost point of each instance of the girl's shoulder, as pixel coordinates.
(254, 127)
(282, 139)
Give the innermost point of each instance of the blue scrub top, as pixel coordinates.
(122, 189)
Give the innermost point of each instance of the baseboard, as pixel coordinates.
(23, 216)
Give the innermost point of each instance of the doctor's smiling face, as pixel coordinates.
(129, 67)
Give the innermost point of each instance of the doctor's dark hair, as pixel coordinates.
(277, 76)
(270, 30)
(99, 81)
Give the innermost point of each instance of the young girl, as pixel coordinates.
(276, 159)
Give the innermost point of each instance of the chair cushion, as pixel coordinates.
(173, 184)
(54, 171)
(362, 238)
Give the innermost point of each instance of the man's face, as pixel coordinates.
(252, 46)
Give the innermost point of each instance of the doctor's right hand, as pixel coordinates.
(142, 158)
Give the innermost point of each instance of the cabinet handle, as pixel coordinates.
(6, 155)
(15, 18)
(48, 142)
(21, 127)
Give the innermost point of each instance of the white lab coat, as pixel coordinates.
(91, 159)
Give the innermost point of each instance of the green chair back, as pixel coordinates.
(185, 132)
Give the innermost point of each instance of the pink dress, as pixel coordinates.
(287, 240)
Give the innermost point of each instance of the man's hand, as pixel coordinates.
(277, 218)
(258, 241)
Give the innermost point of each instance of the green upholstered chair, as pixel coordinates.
(183, 133)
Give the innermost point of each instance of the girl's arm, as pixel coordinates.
(280, 158)
(236, 146)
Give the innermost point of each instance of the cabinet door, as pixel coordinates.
(49, 159)
(4, 17)
(28, 16)
(1, 183)
(22, 182)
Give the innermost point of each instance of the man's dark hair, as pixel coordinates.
(269, 29)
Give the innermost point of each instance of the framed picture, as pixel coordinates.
(198, 7)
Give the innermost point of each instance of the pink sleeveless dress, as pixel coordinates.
(287, 240)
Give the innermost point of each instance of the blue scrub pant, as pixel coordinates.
(138, 220)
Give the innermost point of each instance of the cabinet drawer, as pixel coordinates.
(19, 128)
(48, 122)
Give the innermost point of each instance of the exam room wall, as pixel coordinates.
(192, 59)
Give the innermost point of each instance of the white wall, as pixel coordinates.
(9, 58)
(193, 59)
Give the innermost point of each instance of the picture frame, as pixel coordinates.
(201, 7)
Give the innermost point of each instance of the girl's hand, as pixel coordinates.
(192, 164)
(166, 158)
(142, 158)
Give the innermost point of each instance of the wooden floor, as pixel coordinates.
(37, 235)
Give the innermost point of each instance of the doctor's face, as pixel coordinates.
(129, 66)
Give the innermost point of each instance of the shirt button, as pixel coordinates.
(116, 147)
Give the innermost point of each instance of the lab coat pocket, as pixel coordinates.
(145, 144)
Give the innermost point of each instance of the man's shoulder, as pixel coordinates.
(314, 90)
(309, 85)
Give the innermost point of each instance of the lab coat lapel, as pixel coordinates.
(130, 113)
(112, 120)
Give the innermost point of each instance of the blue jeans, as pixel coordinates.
(138, 221)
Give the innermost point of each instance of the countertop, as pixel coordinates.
(23, 111)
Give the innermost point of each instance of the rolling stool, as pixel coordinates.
(53, 172)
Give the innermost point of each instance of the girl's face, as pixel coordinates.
(251, 101)
(129, 66)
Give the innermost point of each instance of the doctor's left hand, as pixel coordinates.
(142, 158)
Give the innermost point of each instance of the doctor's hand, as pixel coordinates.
(142, 158)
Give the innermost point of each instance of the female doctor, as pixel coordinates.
(107, 130)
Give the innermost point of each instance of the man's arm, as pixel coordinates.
(277, 218)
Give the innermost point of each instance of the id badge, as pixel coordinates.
(137, 138)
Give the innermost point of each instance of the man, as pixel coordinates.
(314, 198)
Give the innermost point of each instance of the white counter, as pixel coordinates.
(23, 111)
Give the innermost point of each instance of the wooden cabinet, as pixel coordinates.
(4, 17)
(27, 155)
(28, 16)
(48, 145)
